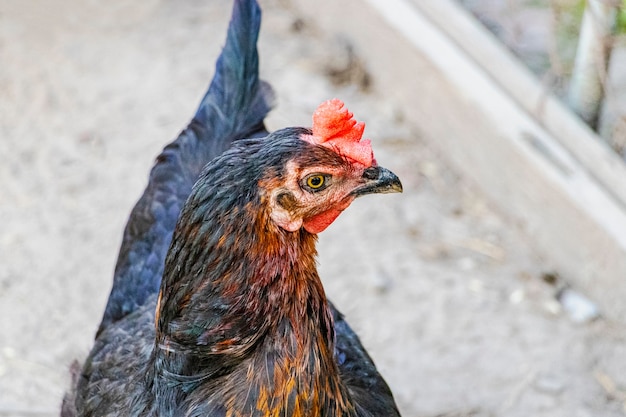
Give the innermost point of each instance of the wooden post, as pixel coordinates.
(592, 57)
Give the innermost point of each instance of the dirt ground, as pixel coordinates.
(456, 308)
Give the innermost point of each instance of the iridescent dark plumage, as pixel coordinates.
(243, 327)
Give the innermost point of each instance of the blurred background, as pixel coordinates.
(490, 287)
(545, 36)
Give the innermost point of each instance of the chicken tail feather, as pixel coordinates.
(234, 107)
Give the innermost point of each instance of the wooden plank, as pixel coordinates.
(573, 212)
(505, 69)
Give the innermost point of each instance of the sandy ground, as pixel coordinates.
(448, 295)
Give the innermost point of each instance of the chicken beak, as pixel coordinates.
(378, 180)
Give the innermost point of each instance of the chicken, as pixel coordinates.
(216, 307)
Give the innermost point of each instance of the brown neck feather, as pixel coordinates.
(243, 318)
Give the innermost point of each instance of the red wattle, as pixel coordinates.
(320, 222)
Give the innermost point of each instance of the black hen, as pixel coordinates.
(232, 320)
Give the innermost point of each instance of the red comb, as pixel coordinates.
(334, 127)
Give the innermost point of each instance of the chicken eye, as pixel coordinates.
(316, 182)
